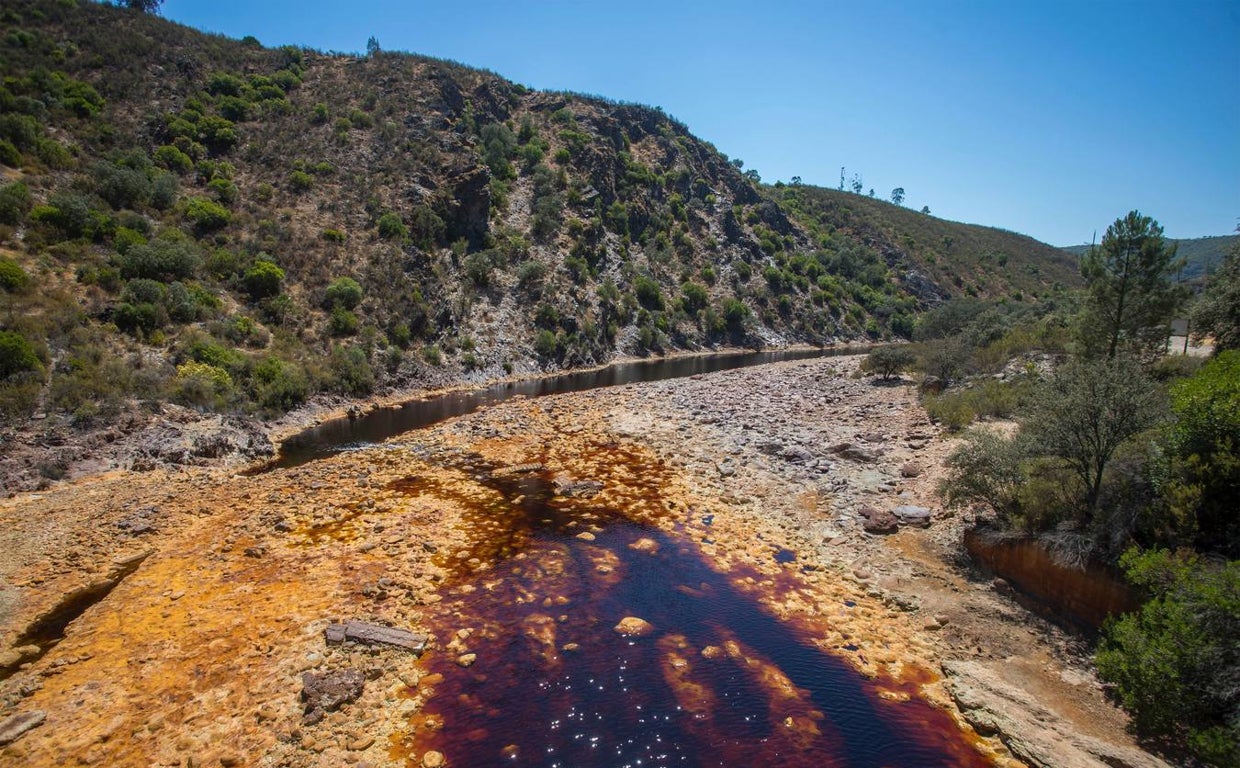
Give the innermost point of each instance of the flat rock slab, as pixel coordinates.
(16, 726)
(1034, 734)
(374, 634)
(908, 514)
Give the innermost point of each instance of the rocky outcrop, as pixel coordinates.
(1032, 732)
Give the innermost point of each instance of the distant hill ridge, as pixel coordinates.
(1201, 254)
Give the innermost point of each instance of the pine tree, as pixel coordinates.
(1131, 294)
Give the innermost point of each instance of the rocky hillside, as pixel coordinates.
(934, 258)
(190, 219)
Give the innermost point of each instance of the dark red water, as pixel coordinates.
(718, 681)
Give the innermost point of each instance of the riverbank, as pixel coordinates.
(199, 652)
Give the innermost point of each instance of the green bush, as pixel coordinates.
(67, 213)
(262, 280)
(351, 371)
(342, 322)
(545, 343)
(9, 154)
(343, 292)
(735, 313)
(1174, 662)
(173, 159)
(950, 409)
(202, 384)
(695, 296)
(478, 268)
(392, 228)
(17, 355)
(530, 274)
(206, 215)
(15, 203)
(160, 260)
(1203, 456)
(985, 471)
(300, 181)
(648, 293)
(12, 276)
(279, 385)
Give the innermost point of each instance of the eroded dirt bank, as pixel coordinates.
(197, 653)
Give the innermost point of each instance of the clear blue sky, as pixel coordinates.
(1048, 118)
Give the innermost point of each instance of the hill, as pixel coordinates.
(937, 259)
(1201, 254)
(188, 219)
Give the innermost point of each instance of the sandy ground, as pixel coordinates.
(206, 594)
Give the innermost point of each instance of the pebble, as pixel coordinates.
(433, 759)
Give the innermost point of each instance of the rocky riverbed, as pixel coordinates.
(178, 617)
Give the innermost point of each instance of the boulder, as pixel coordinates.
(633, 626)
(878, 520)
(328, 691)
(909, 514)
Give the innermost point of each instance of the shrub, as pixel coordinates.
(160, 260)
(889, 362)
(206, 215)
(432, 355)
(17, 355)
(342, 322)
(279, 385)
(1174, 661)
(478, 269)
(351, 371)
(985, 471)
(203, 384)
(392, 228)
(544, 343)
(122, 186)
(9, 154)
(263, 279)
(12, 276)
(531, 274)
(333, 236)
(139, 319)
(648, 293)
(951, 409)
(15, 203)
(695, 296)
(67, 213)
(173, 159)
(343, 292)
(300, 181)
(1203, 454)
(224, 190)
(735, 313)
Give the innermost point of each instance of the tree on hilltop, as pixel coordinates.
(145, 6)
